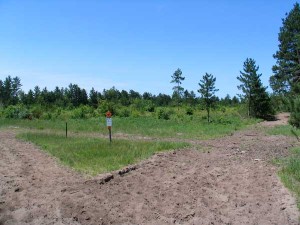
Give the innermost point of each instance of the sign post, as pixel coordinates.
(109, 123)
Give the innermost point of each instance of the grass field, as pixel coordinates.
(93, 155)
(188, 127)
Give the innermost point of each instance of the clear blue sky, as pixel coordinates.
(134, 44)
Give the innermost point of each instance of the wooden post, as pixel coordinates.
(109, 130)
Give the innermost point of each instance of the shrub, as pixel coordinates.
(223, 120)
(17, 112)
(295, 113)
(150, 107)
(124, 112)
(46, 116)
(105, 106)
(37, 111)
(163, 114)
(189, 111)
(83, 112)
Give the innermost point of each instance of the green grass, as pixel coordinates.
(93, 155)
(290, 173)
(286, 130)
(290, 166)
(187, 127)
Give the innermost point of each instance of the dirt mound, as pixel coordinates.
(230, 182)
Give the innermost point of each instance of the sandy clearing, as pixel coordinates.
(231, 182)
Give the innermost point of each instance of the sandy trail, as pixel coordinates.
(231, 181)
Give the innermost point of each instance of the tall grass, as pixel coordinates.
(181, 127)
(93, 155)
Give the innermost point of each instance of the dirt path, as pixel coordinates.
(230, 182)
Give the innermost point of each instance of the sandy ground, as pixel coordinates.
(224, 181)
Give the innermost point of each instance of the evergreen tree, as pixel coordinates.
(162, 100)
(125, 101)
(178, 90)
(134, 95)
(93, 98)
(235, 100)
(207, 91)
(1, 93)
(27, 99)
(76, 95)
(287, 68)
(9, 90)
(258, 100)
(37, 94)
(147, 96)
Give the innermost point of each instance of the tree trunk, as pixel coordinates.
(249, 106)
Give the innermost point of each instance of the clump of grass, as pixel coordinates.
(290, 173)
(286, 130)
(94, 155)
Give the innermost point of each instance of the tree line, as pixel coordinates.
(74, 96)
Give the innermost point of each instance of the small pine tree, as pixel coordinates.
(207, 91)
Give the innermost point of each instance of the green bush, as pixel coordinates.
(223, 120)
(47, 116)
(17, 112)
(82, 112)
(295, 113)
(163, 114)
(37, 111)
(124, 112)
(105, 106)
(189, 111)
(150, 107)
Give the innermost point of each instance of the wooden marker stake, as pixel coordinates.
(109, 130)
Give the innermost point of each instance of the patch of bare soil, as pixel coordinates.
(230, 182)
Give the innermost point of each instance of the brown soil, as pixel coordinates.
(228, 181)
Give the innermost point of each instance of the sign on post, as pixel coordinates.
(109, 123)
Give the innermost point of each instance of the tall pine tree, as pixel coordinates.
(254, 93)
(178, 90)
(287, 69)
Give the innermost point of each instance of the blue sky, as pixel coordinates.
(136, 44)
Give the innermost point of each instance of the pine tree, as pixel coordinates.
(207, 91)
(178, 90)
(258, 100)
(9, 90)
(287, 68)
